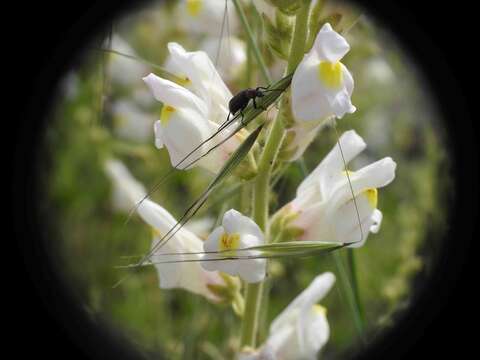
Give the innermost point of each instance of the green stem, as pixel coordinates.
(262, 180)
(347, 290)
(353, 276)
(252, 42)
(299, 37)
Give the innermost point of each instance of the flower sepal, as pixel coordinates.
(229, 293)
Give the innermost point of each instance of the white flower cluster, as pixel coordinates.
(331, 205)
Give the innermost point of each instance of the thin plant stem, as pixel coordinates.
(353, 276)
(347, 290)
(261, 186)
(252, 42)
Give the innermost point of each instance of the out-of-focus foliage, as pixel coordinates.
(396, 117)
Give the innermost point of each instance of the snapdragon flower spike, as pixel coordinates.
(301, 329)
(236, 232)
(322, 85)
(324, 208)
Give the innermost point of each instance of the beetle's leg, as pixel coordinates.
(225, 123)
(241, 117)
(255, 106)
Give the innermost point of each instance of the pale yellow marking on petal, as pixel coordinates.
(156, 233)
(372, 197)
(229, 241)
(166, 114)
(183, 80)
(330, 74)
(194, 7)
(319, 309)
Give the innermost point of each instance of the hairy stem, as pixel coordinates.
(262, 181)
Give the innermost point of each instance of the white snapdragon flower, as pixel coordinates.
(206, 16)
(322, 85)
(193, 112)
(130, 122)
(231, 57)
(236, 232)
(187, 275)
(301, 329)
(324, 207)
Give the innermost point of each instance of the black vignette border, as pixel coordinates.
(53, 39)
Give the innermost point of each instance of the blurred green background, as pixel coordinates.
(396, 116)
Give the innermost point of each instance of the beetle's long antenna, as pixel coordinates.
(348, 177)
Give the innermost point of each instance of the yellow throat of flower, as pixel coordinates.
(319, 309)
(372, 197)
(330, 74)
(166, 114)
(194, 7)
(229, 241)
(371, 193)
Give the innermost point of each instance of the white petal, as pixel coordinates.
(341, 104)
(127, 190)
(206, 81)
(347, 80)
(185, 130)
(211, 244)
(316, 291)
(316, 225)
(315, 330)
(375, 175)
(157, 130)
(234, 222)
(331, 167)
(156, 216)
(330, 45)
(346, 220)
(173, 94)
(377, 221)
(252, 271)
(309, 101)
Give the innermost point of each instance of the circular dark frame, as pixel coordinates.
(46, 291)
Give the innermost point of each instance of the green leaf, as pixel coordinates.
(267, 251)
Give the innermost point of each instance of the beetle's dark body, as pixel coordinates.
(240, 101)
